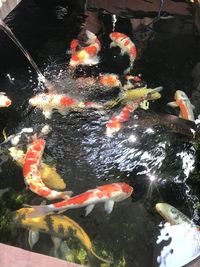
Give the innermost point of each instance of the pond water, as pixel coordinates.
(162, 166)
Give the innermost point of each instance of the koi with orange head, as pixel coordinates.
(5, 102)
(107, 194)
(186, 108)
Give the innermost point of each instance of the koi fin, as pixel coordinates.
(144, 104)
(193, 107)
(108, 206)
(127, 71)
(33, 237)
(122, 53)
(63, 111)
(47, 113)
(56, 242)
(89, 209)
(4, 134)
(38, 211)
(91, 37)
(66, 194)
(91, 61)
(172, 104)
(113, 44)
(96, 260)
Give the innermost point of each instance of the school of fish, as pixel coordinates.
(43, 179)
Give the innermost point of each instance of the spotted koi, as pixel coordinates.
(49, 102)
(32, 175)
(126, 45)
(88, 54)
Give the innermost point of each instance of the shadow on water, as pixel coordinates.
(154, 160)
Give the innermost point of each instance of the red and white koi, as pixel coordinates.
(115, 123)
(88, 54)
(5, 102)
(126, 45)
(32, 175)
(49, 102)
(109, 80)
(108, 194)
(186, 108)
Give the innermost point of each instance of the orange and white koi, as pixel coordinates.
(126, 45)
(88, 54)
(49, 102)
(109, 194)
(5, 102)
(186, 108)
(115, 123)
(32, 175)
(109, 80)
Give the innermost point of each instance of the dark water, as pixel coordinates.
(155, 161)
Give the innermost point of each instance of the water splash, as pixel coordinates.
(114, 20)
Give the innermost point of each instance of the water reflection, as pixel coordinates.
(180, 245)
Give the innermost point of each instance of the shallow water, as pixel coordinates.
(154, 160)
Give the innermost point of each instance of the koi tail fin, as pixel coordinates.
(95, 260)
(37, 211)
(91, 37)
(112, 103)
(128, 70)
(65, 194)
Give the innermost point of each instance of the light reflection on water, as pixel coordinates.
(181, 245)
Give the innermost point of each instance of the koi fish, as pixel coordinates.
(49, 175)
(173, 123)
(32, 175)
(4, 100)
(171, 214)
(109, 194)
(49, 102)
(134, 94)
(183, 102)
(115, 123)
(59, 227)
(109, 80)
(88, 54)
(130, 95)
(126, 45)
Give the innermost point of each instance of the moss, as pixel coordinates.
(9, 201)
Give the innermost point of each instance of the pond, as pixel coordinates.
(159, 163)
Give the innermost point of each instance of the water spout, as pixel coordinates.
(11, 35)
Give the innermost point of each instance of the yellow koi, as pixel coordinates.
(58, 226)
(49, 175)
(131, 95)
